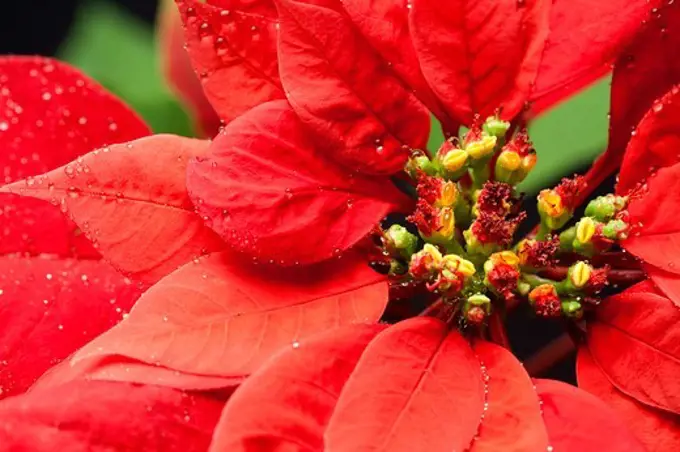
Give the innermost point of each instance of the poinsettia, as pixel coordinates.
(326, 103)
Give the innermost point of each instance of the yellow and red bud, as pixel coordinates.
(476, 308)
(546, 301)
(426, 263)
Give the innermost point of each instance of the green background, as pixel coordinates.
(120, 51)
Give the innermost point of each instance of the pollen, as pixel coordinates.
(550, 202)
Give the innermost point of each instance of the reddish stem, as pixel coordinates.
(551, 354)
(615, 276)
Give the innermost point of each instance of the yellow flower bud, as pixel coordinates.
(457, 264)
(481, 148)
(528, 162)
(550, 203)
(585, 230)
(449, 194)
(505, 257)
(454, 160)
(510, 161)
(448, 223)
(579, 274)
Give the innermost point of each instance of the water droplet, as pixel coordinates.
(296, 344)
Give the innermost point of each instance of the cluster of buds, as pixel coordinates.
(461, 243)
(604, 225)
(567, 298)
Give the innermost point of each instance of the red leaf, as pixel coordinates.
(416, 386)
(262, 7)
(385, 25)
(50, 308)
(636, 342)
(118, 368)
(657, 239)
(643, 73)
(233, 50)
(131, 201)
(288, 402)
(479, 56)
(179, 72)
(513, 420)
(268, 192)
(656, 143)
(581, 46)
(219, 317)
(668, 283)
(50, 114)
(658, 430)
(579, 421)
(102, 416)
(357, 108)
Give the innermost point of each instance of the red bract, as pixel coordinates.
(131, 201)
(104, 416)
(269, 192)
(393, 389)
(645, 71)
(179, 72)
(232, 45)
(218, 317)
(55, 293)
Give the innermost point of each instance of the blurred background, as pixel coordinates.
(114, 41)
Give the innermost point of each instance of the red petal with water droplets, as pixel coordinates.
(234, 53)
(644, 72)
(577, 420)
(358, 109)
(656, 237)
(289, 401)
(51, 307)
(658, 430)
(636, 342)
(656, 143)
(262, 7)
(178, 70)
(411, 381)
(50, 114)
(131, 200)
(385, 25)
(119, 368)
(103, 416)
(581, 47)
(271, 194)
(221, 317)
(479, 56)
(667, 282)
(512, 421)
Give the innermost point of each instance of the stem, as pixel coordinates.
(615, 276)
(551, 354)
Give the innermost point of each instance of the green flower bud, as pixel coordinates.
(604, 208)
(572, 309)
(496, 127)
(400, 240)
(420, 162)
(616, 230)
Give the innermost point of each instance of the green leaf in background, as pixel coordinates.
(119, 51)
(567, 138)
